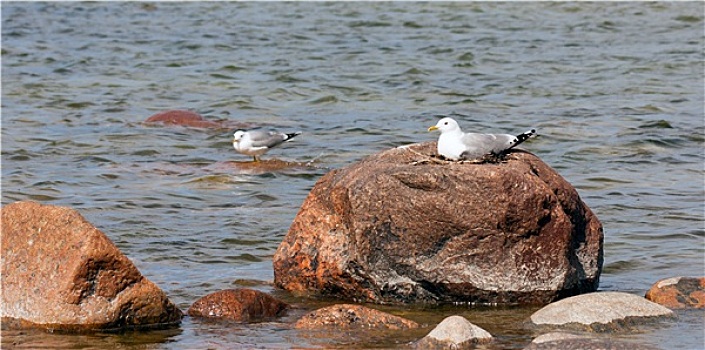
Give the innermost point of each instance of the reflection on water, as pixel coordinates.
(615, 90)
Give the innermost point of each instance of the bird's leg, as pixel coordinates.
(255, 159)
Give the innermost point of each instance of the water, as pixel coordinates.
(616, 90)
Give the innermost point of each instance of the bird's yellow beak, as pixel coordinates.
(433, 128)
(235, 140)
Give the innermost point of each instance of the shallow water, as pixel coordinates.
(615, 89)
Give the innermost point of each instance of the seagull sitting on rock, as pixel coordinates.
(454, 144)
(257, 142)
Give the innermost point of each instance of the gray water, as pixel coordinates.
(615, 90)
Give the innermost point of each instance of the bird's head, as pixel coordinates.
(237, 136)
(445, 124)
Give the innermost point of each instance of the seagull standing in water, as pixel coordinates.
(454, 144)
(257, 142)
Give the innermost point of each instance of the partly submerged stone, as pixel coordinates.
(182, 118)
(240, 305)
(60, 272)
(601, 312)
(349, 316)
(454, 332)
(263, 166)
(401, 226)
(569, 341)
(679, 292)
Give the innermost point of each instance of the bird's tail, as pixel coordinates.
(292, 135)
(523, 137)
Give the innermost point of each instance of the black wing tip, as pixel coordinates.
(526, 135)
(523, 137)
(291, 135)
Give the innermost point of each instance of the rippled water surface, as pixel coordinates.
(615, 89)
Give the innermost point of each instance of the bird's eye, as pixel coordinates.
(446, 123)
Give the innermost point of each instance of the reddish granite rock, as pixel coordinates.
(401, 226)
(679, 292)
(60, 272)
(348, 316)
(240, 305)
(183, 118)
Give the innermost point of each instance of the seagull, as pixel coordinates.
(454, 144)
(257, 142)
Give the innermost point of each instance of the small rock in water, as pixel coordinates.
(348, 316)
(569, 341)
(601, 312)
(240, 305)
(183, 118)
(555, 336)
(679, 292)
(454, 332)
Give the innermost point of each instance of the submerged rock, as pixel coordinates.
(60, 272)
(555, 336)
(183, 118)
(679, 292)
(240, 305)
(454, 332)
(568, 341)
(401, 226)
(263, 166)
(601, 312)
(348, 316)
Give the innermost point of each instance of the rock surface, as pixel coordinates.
(183, 118)
(400, 226)
(240, 305)
(348, 316)
(454, 332)
(60, 272)
(555, 336)
(568, 341)
(601, 312)
(679, 292)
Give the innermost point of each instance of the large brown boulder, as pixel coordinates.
(402, 226)
(240, 305)
(60, 272)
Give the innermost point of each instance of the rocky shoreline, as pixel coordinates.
(398, 227)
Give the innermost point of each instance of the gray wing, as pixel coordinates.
(481, 144)
(267, 139)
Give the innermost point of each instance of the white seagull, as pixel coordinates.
(454, 144)
(257, 142)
